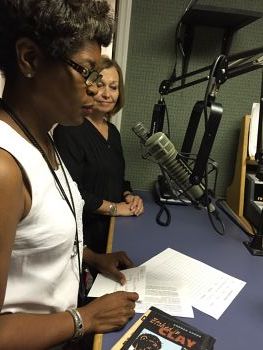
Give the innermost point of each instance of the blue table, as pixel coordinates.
(190, 232)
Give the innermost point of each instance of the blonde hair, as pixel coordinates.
(104, 63)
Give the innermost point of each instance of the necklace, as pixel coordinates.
(70, 201)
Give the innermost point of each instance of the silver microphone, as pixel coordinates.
(140, 130)
(164, 153)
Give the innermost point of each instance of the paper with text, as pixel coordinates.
(207, 289)
(165, 296)
(151, 292)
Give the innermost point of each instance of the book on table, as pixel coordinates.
(157, 330)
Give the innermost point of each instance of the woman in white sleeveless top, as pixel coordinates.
(48, 51)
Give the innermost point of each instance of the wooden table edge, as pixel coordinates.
(97, 343)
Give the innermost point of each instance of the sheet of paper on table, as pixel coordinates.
(151, 292)
(207, 289)
(175, 282)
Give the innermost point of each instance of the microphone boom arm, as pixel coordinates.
(226, 70)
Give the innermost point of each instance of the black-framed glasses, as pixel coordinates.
(90, 75)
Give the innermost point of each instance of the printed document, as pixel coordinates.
(175, 282)
(207, 289)
(151, 291)
(166, 296)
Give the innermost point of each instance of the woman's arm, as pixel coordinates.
(68, 142)
(115, 209)
(20, 331)
(12, 209)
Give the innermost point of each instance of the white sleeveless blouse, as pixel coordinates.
(44, 272)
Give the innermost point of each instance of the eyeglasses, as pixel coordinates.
(90, 75)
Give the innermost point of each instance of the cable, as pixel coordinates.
(163, 210)
(168, 121)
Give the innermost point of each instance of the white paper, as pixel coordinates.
(208, 289)
(165, 296)
(253, 131)
(135, 282)
(152, 292)
(174, 282)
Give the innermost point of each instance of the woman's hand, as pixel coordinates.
(124, 209)
(136, 204)
(109, 312)
(109, 264)
(132, 205)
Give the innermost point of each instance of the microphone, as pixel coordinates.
(164, 153)
(140, 131)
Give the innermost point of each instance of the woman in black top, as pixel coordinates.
(93, 154)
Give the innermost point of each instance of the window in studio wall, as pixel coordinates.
(109, 50)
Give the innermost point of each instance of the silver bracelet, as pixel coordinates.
(78, 323)
(113, 209)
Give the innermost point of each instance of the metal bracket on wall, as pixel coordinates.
(228, 19)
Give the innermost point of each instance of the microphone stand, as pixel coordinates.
(255, 246)
(224, 67)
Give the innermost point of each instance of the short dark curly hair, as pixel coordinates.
(58, 27)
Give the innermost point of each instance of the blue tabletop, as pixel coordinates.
(190, 232)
